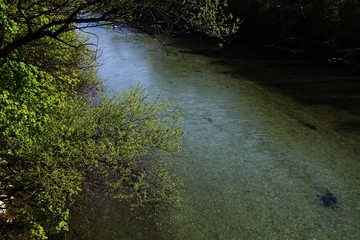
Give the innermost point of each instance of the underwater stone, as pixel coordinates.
(328, 199)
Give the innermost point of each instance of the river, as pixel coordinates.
(267, 136)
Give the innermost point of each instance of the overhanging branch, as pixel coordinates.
(46, 29)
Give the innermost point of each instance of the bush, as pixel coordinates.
(115, 145)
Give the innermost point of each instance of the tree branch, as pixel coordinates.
(45, 30)
(27, 20)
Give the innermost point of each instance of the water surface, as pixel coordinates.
(265, 135)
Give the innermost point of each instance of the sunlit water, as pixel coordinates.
(265, 138)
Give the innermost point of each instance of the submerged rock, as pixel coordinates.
(328, 199)
(208, 118)
(308, 125)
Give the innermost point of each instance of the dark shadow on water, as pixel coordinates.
(205, 52)
(305, 80)
(339, 92)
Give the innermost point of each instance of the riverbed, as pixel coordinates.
(267, 136)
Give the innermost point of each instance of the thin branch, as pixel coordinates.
(66, 43)
(27, 20)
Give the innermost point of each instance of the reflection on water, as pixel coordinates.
(266, 138)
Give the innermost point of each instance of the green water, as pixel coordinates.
(266, 135)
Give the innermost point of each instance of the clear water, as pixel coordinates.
(265, 135)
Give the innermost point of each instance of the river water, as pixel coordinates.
(267, 136)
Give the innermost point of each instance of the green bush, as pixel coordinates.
(119, 145)
(55, 143)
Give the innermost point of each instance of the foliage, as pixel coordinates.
(133, 139)
(27, 21)
(179, 16)
(33, 184)
(117, 145)
(55, 143)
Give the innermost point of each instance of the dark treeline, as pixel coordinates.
(329, 24)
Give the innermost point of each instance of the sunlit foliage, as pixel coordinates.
(61, 137)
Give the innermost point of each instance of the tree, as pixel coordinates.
(116, 147)
(58, 137)
(32, 95)
(41, 18)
